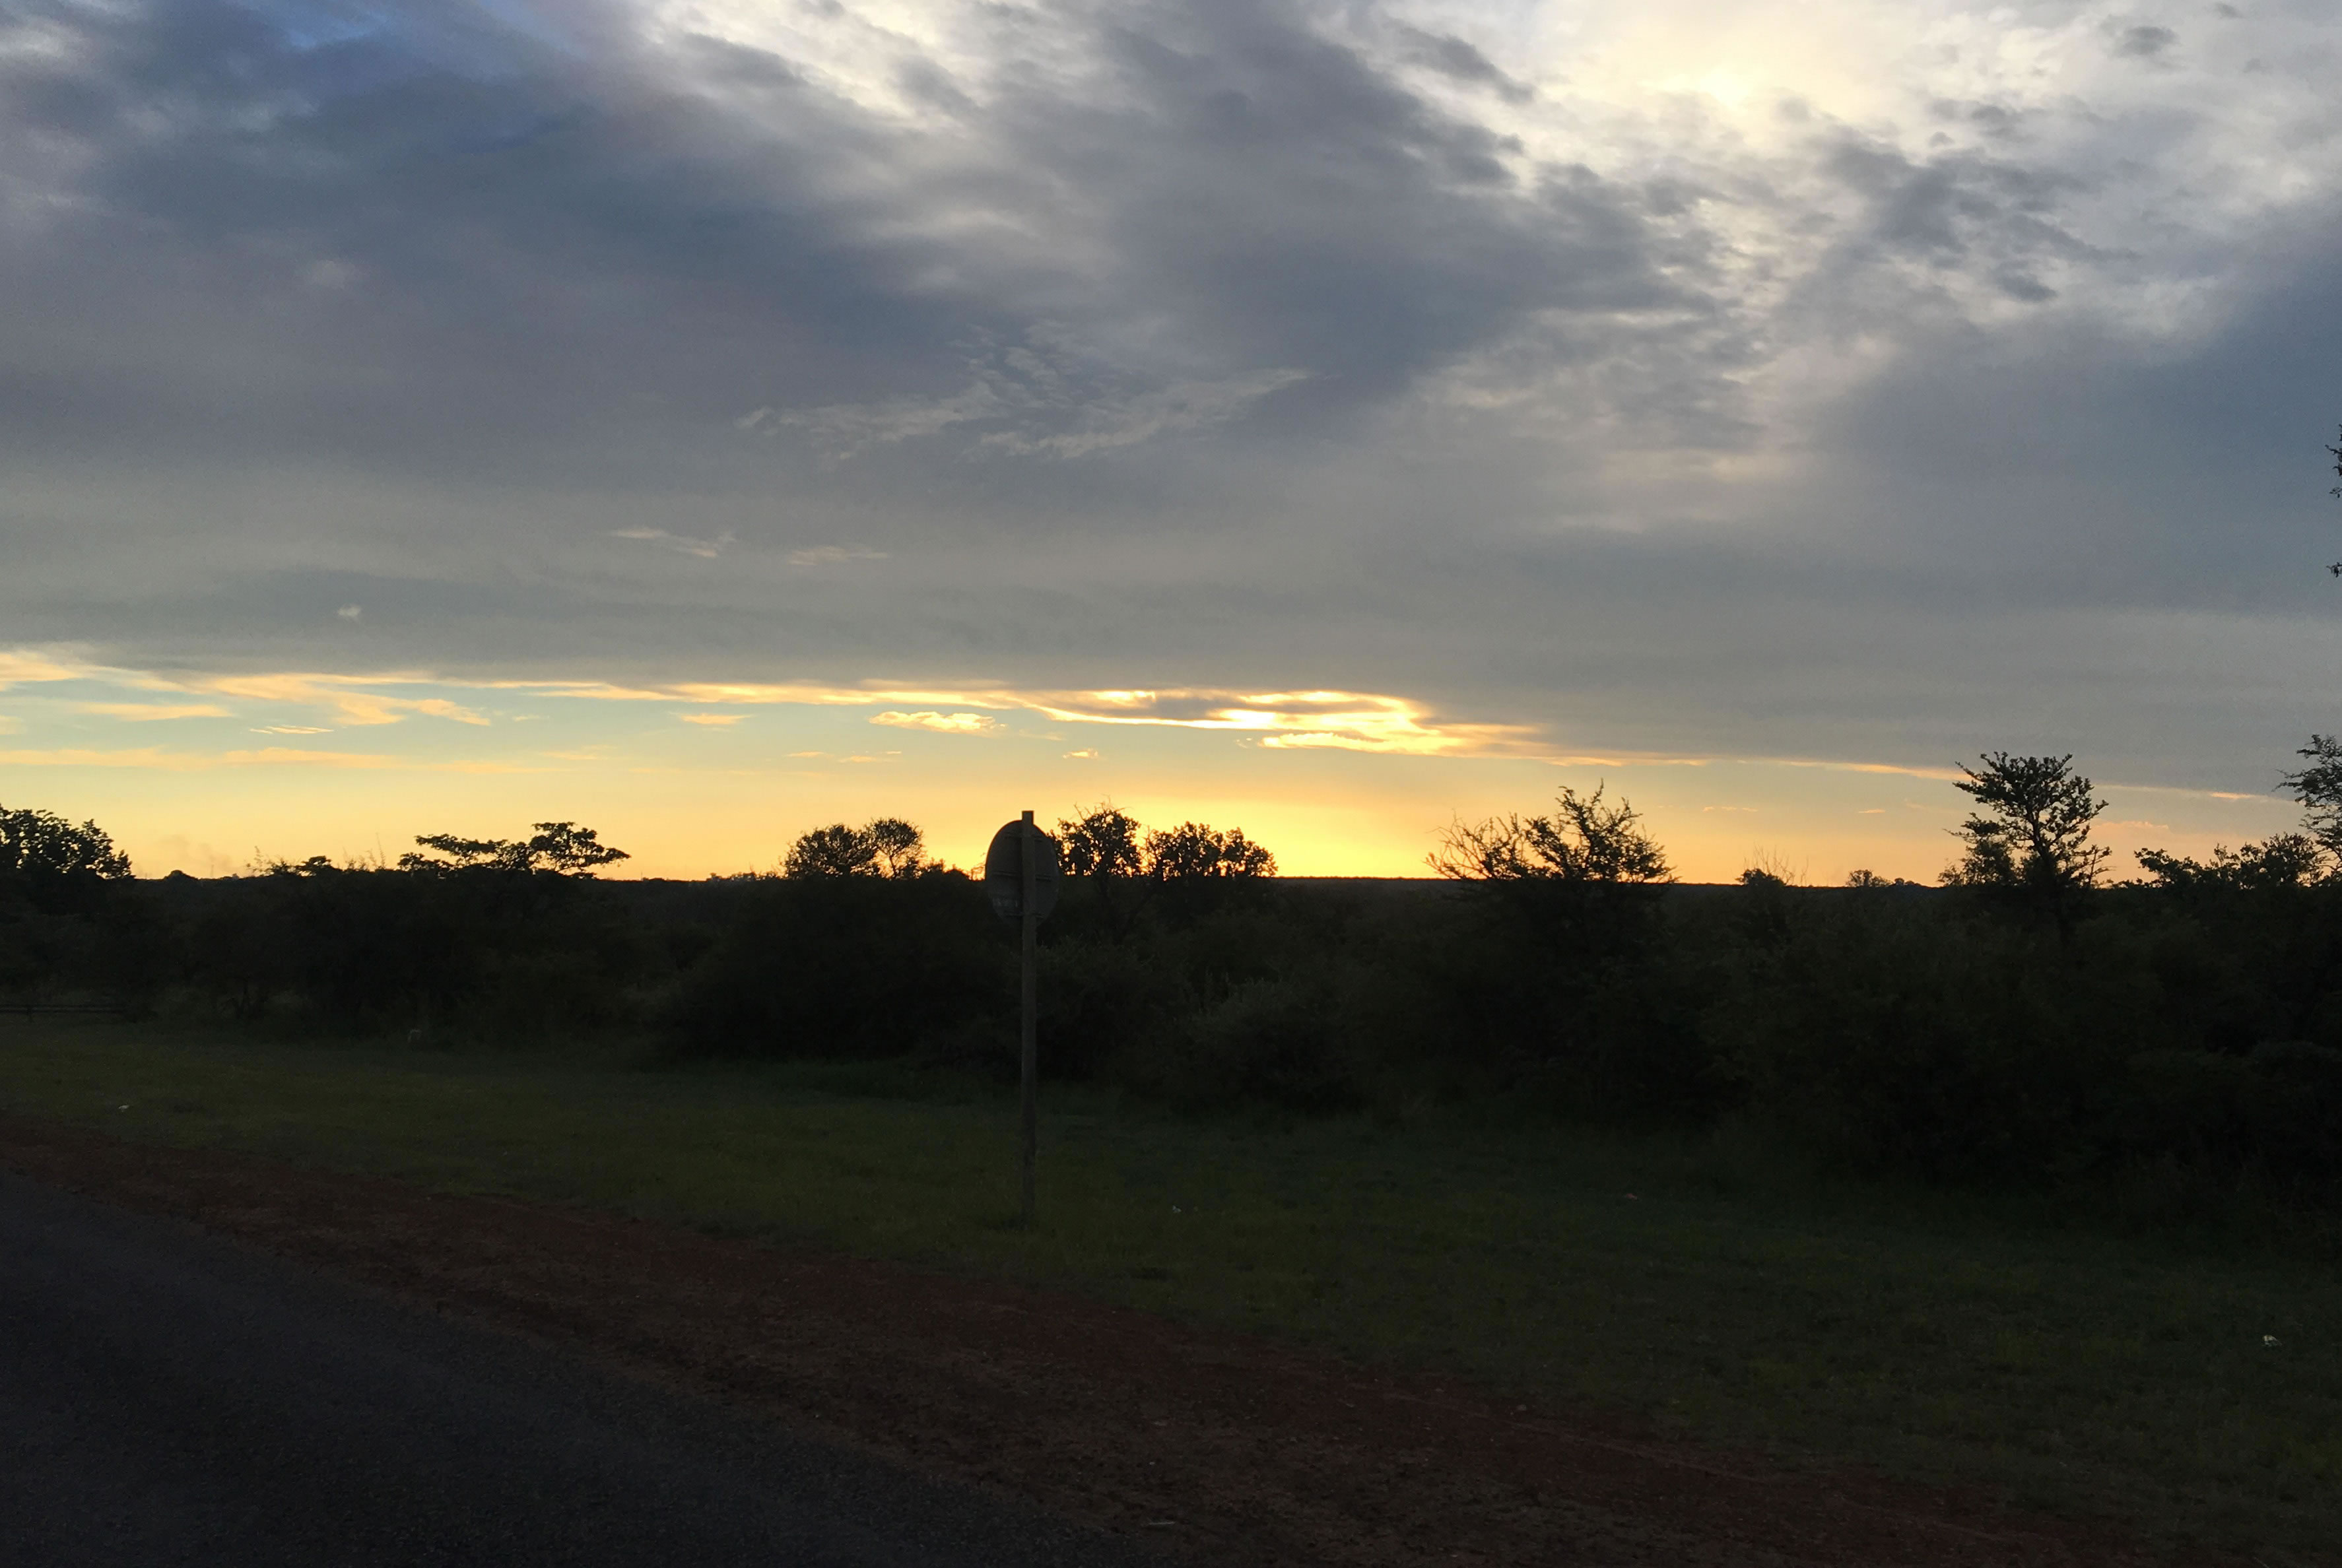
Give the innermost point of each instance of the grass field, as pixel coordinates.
(2190, 1389)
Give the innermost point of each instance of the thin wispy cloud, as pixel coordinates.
(148, 713)
(353, 699)
(704, 549)
(833, 555)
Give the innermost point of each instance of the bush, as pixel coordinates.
(1278, 1042)
(1106, 1005)
(1933, 1044)
(845, 966)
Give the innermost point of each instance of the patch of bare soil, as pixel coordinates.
(1225, 1448)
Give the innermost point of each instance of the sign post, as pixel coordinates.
(1020, 875)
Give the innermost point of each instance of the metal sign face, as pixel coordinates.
(1004, 872)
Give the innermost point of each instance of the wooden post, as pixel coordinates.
(1031, 921)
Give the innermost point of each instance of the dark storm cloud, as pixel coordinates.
(308, 230)
(390, 243)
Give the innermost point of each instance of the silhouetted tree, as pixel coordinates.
(1192, 851)
(1106, 843)
(2282, 860)
(1108, 849)
(561, 847)
(884, 846)
(1584, 841)
(2032, 837)
(2318, 788)
(1128, 864)
(41, 844)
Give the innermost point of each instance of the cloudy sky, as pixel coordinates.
(707, 420)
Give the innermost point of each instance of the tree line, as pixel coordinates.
(2028, 1017)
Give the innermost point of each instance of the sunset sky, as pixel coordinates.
(706, 421)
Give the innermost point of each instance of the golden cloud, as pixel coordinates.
(160, 760)
(352, 697)
(31, 667)
(1342, 721)
(145, 712)
(941, 723)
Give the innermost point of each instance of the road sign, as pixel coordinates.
(1020, 875)
(1004, 871)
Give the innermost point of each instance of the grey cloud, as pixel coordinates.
(1955, 214)
(522, 248)
(2093, 469)
(1283, 204)
(435, 240)
(1452, 57)
(1997, 121)
(1942, 208)
(2143, 41)
(1123, 356)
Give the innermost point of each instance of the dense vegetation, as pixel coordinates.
(2026, 1022)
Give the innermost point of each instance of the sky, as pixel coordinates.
(708, 421)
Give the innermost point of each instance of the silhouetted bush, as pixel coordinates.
(844, 966)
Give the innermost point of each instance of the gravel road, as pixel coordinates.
(168, 1397)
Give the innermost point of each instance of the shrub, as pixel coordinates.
(844, 966)
(1280, 1042)
(1928, 1043)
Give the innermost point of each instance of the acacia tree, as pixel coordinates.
(2032, 836)
(561, 847)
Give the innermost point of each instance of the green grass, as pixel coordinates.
(2072, 1368)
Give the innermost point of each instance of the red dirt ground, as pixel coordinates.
(1215, 1446)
